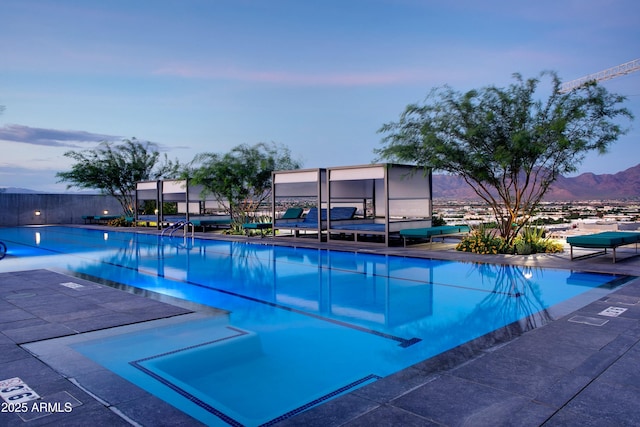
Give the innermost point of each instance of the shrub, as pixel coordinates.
(532, 240)
(438, 221)
(118, 222)
(482, 241)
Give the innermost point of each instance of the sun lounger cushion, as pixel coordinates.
(211, 222)
(292, 213)
(607, 239)
(360, 227)
(428, 232)
(342, 213)
(311, 219)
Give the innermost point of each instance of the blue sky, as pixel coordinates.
(320, 77)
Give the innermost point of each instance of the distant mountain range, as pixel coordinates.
(18, 190)
(14, 190)
(587, 186)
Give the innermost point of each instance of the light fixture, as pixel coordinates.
(37, 212)
(105, 212)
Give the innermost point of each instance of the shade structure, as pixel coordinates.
(388, 197)
(301, 187)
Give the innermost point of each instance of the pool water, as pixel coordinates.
(303, 325)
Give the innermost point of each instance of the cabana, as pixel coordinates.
(303, 188)
(146, 191)
(190, 206)
(387, 197)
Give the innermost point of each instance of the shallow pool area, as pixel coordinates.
(303, 325)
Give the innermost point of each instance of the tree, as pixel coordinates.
(240, 180)
(115, 169)
(507, 143)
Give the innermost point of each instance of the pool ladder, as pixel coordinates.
(177, 226)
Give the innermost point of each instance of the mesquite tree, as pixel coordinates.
(115, 169)
(509, 144)
(240, 180)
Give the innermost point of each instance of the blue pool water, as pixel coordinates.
(303, 325)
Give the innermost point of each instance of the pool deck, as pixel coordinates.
(580, 369)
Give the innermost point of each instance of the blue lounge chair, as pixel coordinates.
(310, 220)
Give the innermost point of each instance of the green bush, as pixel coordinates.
(482, 241)
(118, 222)
(532, 240)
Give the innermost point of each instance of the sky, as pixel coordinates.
(319, 76)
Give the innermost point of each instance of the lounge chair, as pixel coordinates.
(310, 220)
(429, 233)
(605, 240)
(290, 214)
(216, 221)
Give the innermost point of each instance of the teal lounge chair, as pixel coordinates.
(605, 240)
(429, 233)
(211, 221)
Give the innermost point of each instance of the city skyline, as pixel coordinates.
(319, 77)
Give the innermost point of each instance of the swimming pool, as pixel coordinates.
(302, 325)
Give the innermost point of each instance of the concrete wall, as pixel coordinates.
(20, 209)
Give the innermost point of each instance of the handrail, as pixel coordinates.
(183, 224)
(3, 249)
(172, 227)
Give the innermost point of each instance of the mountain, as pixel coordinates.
(14, 190)
(587, 186)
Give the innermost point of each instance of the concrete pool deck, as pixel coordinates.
(580, 369)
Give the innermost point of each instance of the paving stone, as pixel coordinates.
(455, 401)
(625, 371)
(19, 324)
(390, 416)
(81, 314)
(579, 334)
(513, 375)
(568, 418)
(545, 348)
(615, 404)
(39, 332)
(82, 417)
(394, 385)
(151, 411)
(110, 387)
(31, 370)
(96, 323)
(10, 352)
(564, 389)
(14, 314)
(335, 412)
